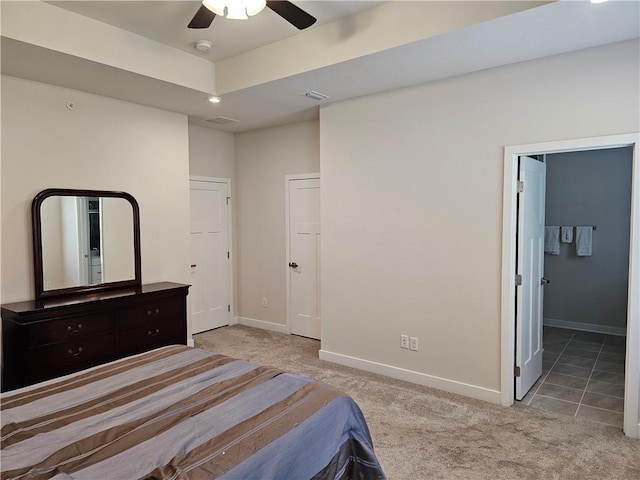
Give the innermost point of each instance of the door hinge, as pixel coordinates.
(228, 255)
(518, 280)
(228, 308)
(517, 371)
(228, 198)
(520, 186)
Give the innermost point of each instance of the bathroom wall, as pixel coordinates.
(589, 188)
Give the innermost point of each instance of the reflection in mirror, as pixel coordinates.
(85, 240)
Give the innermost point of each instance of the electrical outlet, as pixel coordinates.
(404, 341)
(264, 302)
(413, 343)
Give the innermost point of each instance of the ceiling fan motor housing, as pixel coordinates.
(287, 10)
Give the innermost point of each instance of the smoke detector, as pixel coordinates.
(203, 46)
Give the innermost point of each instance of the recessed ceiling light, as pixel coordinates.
(214, 99)
(598, 1)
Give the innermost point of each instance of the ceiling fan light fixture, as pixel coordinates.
(254, 6)
(216, 6)
(235, 9)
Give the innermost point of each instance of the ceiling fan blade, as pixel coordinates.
(202, 18)
(292, 14)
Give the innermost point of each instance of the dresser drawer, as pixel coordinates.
(146, 337)
(151, 312)
(70, 328)
(59, 335)
(55, 357)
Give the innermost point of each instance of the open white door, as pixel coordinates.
(304, 256)
(529, 295)
(210, 282)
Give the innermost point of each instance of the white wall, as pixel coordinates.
(52, 257)
(263, 158)
(118, 261)
(71, 245)
(104, 144)
(51, 27)
(212, 154)
(412, 205)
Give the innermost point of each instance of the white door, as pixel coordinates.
(210, 289)
(532, 174)
(304, 257)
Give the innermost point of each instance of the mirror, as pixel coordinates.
(85, 241)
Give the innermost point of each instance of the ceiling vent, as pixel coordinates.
(220, 120)
(316, 95)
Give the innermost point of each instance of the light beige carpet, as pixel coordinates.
(423, 433)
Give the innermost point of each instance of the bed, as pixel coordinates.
(178, 412)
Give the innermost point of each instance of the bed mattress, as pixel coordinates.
(179, 412)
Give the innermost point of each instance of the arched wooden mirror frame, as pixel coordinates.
(36, 218)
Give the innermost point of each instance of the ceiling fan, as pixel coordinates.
(240, 9)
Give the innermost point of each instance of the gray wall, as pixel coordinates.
(589, 188)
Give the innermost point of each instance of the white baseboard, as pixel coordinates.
(252, 322)
(585, 327)
(452, 386)
(191, 343)
(234, 321)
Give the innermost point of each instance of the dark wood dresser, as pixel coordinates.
(52, 337)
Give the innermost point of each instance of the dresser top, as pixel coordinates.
(69, 300)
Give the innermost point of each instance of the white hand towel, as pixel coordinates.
(584, 240)
(566, 234)
(552, 240)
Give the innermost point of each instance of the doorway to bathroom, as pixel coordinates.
(584, 330)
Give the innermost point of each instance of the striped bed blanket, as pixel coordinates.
(178, 413)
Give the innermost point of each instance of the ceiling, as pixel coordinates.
(166, 22)
(545, 30)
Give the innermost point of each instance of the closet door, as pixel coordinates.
(304, 257)
(210, 290)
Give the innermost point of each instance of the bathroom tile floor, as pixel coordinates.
(582, 376)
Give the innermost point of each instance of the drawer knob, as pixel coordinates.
(153, 333)
(153, 313)
(70, 329)
(75, 354)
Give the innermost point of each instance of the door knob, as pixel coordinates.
(293, 264)
(544, 281)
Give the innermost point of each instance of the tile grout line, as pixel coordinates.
(580, 389)
(549, 371)
(590, 375)
(592, 371)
